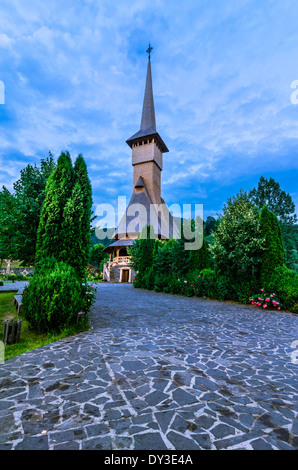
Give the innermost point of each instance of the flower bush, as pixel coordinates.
(284, 282)
(266, 300)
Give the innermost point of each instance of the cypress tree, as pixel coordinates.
(274, 253)
(82, 221)
(74, 245)
(50, 237)
(200, 258)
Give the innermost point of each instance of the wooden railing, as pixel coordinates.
(121, 260)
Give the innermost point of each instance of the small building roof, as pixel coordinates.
(117, 244)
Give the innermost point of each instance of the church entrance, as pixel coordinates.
(125, 275)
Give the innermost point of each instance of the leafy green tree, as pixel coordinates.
(274, 254)
(278, 201)
(141, 251)
(8, 215)
(20, 212)
(238, 242)
(97, 255)
(200, 259)
(282, 205)
(209, 225)
(180, 257)
(163, 257)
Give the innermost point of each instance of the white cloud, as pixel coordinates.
(221, 74)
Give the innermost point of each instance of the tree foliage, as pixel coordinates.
(282, 205)
(97, 255)
(53, 298)
(64, 229)
(274, 254)
(278, 201)
(238, 242)
(20, 212)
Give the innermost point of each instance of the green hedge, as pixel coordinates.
(284, 282)
(53, 298)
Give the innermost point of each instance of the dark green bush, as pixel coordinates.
(1, 283)
(208, 273)
(284, 282)
(53, 298)
(162, 283)
(148, 279)
(137, 282)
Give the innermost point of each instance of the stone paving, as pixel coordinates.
(12, 286)
(157, 372)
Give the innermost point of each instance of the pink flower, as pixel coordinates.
(262, 290)
(185, 281)
(265, 306)
(278, 308)
(191, 285)
(199, 276)
(267, 300)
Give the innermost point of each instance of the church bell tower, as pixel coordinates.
(147, 161)
(147, 146)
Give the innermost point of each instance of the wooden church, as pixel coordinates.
(146, 201)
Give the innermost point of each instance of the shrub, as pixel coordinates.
(1, 283)
(284, 282)
(200, 259)
(12, 277)
(88, 296)
(208, 273)
(53, 298)
(266, 300)
(162, 283)
(137, 282)
(242, 291)
(148, 279)
(225, 289)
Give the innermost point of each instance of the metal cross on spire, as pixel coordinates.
(149, 50)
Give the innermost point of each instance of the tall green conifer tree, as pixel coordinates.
(50, 236)
(274, 253)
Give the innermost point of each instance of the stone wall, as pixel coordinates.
(115, 273)
(17, 270)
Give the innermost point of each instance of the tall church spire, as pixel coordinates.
(148, 123)
(148, 114)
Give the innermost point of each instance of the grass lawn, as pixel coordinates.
(30, 339)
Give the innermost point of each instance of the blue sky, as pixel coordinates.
(74, 74)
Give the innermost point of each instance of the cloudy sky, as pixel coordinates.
(74, 74)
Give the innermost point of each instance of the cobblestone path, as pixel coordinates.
(157, 372)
